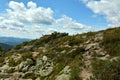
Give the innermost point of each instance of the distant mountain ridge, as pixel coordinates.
(12, 40)
(5, 46)
(9, 42)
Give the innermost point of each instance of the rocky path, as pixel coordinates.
(93, 50)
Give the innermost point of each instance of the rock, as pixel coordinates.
(65, 74)
(45, 71)
(64, 51)
(25, 69)
(92, 46)
(44, 58)
(29, 61)
(29, 75)
(10, 70)
(4, 75)
(44, 67)
(4, 68)
(67, 70)
(39, 63)
(87, 42)
(37, 78)
(17, 75)
(23, 66)
(63, 77)
(32, 68)
(84, 37)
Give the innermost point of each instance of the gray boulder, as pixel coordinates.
(44, 66)
(65, 74)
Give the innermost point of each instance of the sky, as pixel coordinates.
(34, 18)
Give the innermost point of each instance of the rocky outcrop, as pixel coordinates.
(44, 66)
(65, 74)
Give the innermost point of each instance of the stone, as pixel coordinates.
(17, 75)
(28, 75)
(4, 68)
(63, 77)
(25, 69)
(44, 58)
(84, 37)
(65, 74)
(29, 61)
(45, 71)
(44, 67)
(67, 70)
(92, 46)
(32, 68)
(39, 63)
(23, 66)
(4, 75)
(37, 78)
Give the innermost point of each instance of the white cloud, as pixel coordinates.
(31, 13)
(32, 21)
(109, 8)
(72, 26)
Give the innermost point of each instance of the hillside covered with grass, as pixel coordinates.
(60, 56)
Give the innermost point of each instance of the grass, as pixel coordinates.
(106, 70)
(111, 41)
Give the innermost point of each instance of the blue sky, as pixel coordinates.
(32, 18)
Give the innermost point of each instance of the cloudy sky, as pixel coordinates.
(33, 18)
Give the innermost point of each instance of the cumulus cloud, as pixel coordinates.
(31, 13)
(68, 24)
(109, 8)
(31, 21)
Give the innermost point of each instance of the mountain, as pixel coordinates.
(5, 46)
(59, 56)
(12, 40)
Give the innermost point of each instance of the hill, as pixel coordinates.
(5, 46)
(59, 56)
(12, 40)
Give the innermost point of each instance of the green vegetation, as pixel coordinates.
(75, 73)
(26, 55)
(1, 61)
(76, 52)
(106, 70)
(1, 48)
(75, 41)
(12, 62)
(111, 41)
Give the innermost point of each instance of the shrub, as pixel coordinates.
(111, 41)
(59, 67)
(17, 47)
(77, 51)
(1, 49)
(106, 70)
(74, 41)
(1, 61)
(12, 62)
(26, 55)
(75, 73)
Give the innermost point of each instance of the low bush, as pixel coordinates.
(26, 55)
(74, 41)
(111, 41)
(106, 70)
(75, 73)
